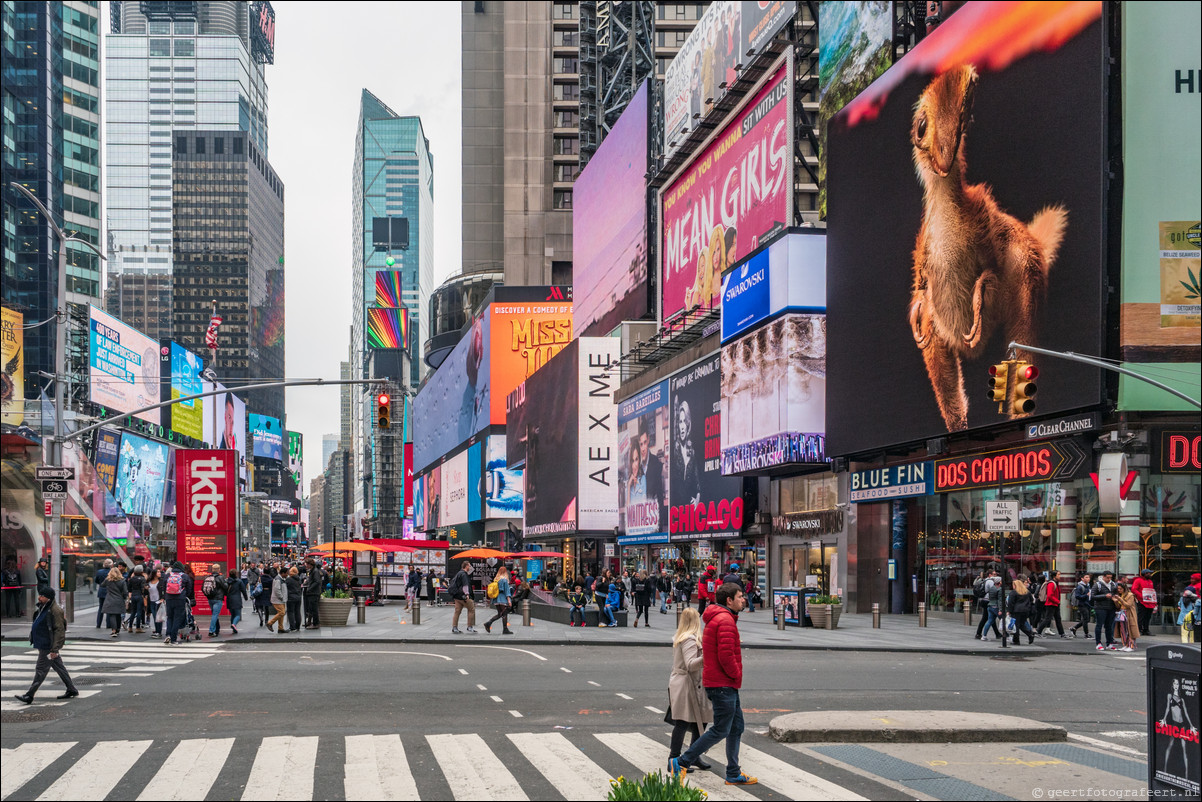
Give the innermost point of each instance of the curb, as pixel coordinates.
(910, 726)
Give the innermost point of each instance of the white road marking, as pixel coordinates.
(1126, 750)
(597, 684)
(515, 714)
(472, 770)
(192, 766)
(496, 698)
(92, 659)
(354, 653)
(788, 780)
(481, 687)
(97, 773)
(654, 710)
(506, 648)
(648, 756)
(13, 704)
(463, 671)
(624, 696)
(565, 670)
(27, 761)
(376, 769)
(283, 769)
(566, 767)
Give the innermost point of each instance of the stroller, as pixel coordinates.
(189, 621)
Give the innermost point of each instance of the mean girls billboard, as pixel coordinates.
(733, 197)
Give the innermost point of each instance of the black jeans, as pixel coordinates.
(1053, 614)
(176, 616)
(100, 597)
(503, 614)
(644, 611)
(43, 668)
(12, 602)
(1082, 619)
(1023, 625)
(1105, 624)
(136, 611)
(1144, 618)
(294, 613)
(728, 726)
(311, 609)
(678, 731)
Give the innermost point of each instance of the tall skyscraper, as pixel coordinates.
(329, 444)
(50, 89)
(171, 67)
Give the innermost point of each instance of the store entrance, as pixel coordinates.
(814, 566)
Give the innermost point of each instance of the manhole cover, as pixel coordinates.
(1011, 659)
(31, 715)
(89, 680)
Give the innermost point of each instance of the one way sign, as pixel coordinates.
(1001, 516)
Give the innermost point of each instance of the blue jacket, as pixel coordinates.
(502, 591)
(613, 598)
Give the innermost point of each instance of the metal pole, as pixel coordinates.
(876, 615)
(526, 613)
(60, 395)
(780, 618)
(361, 610)
(1088, 360)
(417, 610)
(922, 614)
(967, 613)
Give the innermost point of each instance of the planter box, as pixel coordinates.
(821, 613)
(334, 612)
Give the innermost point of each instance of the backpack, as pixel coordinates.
(175, 583)
(1043, 591)
(257, 590)
(494, 589)
(978, 588)
(210, 585)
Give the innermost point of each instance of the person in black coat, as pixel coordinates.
(295, 591)
(235, 593)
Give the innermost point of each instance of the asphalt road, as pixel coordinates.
(582, 696)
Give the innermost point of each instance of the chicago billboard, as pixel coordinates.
(609, 227)
(734, 196)
(643, 462)
(123, 366)
(999, 112)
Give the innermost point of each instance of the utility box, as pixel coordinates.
(1174, 721)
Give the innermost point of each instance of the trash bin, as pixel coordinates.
(1174, 768)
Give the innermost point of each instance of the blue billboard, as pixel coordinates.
(787, 276)
(142, 475)
(268, 437)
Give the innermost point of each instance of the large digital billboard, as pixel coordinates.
(787, 276)
(182, 370)
(734, 196)
(551, 445)
(123, 366)
(12, 360)
(427, 499)
(1161, 316)
(268, 436)
(504, 487)
(965, 197)
(455, 490)
(596, 442)
(727, 36)
(704, 503)
(107, 455)
(225, 422)
(524, 337)
(609, 227)
(388, 328)
(141, 475)
(643, 462)
(296, 460)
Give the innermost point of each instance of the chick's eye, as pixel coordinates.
(922, 128)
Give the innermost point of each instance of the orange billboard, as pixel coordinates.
(523, 337)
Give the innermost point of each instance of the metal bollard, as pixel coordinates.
(526, 613)
(922, 614)
(416, 618)
(967, 613)
(876, 615)
(361, 612)
(679, 612)
(830, 616)
(780, 619)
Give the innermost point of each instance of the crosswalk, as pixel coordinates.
(94, 665)
(472, 766)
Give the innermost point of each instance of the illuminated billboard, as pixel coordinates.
(296, 460)
(388, 328)
(123, 366)
(787, 276)
(597, 453)
(225, 422)
(643, 462)
(141, 475)
(503, 486)
(455, 490)
(551, 445)
(181, 371)
(267, 435)
(12, 359)
(734, 196)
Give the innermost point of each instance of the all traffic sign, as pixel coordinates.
(43, 472)
(1001, 516)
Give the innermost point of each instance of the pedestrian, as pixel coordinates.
(461, 593)
(992, 599)
(102, 575)
(175, 588)
(12, 589)
(613, 600)
(1038, 586)
(722, 676)
(643, 592)
(235, 593)
(279, 600)
(501, 600)
(137, 600)
(263, 598)
(1103, 604)
(154, 600)
(1126, 617)
(732, 575)
(295, 598)
(1188, 613)
(706, 588)
(663, 584)
(689, 709)
(42, 577)
(577, 600)
(47, 635)
(116, 595)
(1021, 602)
(1082, 601)
(626, 586)
(684, 588)
(1145, 597)
(412, 587)
(314, 579)
(1052, 605)
(431, 590)
(214, 588)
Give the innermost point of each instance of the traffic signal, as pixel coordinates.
(997, 382)
(383, 411)
(1025, 375)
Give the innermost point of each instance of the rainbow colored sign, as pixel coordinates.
(388, 289)
(388, 328)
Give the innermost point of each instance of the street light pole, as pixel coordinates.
(60, 371)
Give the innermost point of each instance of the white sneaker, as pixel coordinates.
(1127, 649)
(984, 637)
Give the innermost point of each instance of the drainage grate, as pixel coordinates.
(1095, 760)
(1015, 659)
(921, 778)
(31, 715)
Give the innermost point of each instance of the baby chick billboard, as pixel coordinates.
(965, 212)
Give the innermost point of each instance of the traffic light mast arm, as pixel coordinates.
(1089, 360)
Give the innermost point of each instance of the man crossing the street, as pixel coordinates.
(48, 635)
(214, 588)
(177, 586)
(461, 592)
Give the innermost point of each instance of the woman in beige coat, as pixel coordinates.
(1128, 627)
(688, 705)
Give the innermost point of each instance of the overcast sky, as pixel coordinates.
(408, 55)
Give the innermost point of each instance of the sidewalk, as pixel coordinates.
(390, 623)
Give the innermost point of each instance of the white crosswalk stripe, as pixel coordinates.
(576, 765)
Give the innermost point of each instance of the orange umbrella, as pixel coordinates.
(539, 555)
(481, 554)
(344, 546)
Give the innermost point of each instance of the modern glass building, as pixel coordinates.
(393, 191)
(50, 89)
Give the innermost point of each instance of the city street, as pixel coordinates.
(477, 719)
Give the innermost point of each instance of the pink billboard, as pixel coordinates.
(734, 196)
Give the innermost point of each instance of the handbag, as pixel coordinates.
(668, 714)
(1121, 616)
(160, 615)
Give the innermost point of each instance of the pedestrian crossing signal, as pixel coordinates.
(1025, 375)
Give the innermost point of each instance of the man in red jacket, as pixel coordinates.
(707, 585)
(1145, 599)
(722, 676)
(1052, 605)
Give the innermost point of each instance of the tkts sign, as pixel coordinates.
(207, 511)
(1039, 462)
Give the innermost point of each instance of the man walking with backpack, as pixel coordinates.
(48, 635)
(461, 593)
(176, 587)
(722, 677)
(214, 587)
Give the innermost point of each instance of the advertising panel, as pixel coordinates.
(388, 328)
(475, 482)
(454, 490)
(524, 337)
(184, 368)
(1062, 460)
(897, 481)
(227, 427)
(428, 499)
(552, 395)
(141, 475)
(12, 360)
(1173, 727)
(1177, 451)
(268, 436)
(207, 492)
(855, 45)
(704, 503)
(123, 366)
(732, 198)
(296, 460)
(108, 453)
(419, 502)
(729, 33)
(787, 276)
(609, 227)
(598, 425)
(921, 302)
(453, 405)
(1161, 316)
(408, 451)
(515, 427)
(643, 462)
(504, 487)
(774, 395)
(388, 289)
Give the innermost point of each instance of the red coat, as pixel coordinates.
(1137, 588)
(1053, 594)
(703, 591)
(721, 649)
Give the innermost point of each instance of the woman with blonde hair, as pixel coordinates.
(116, 593)
(689, 708)
(1126, 617)
(1021, 604)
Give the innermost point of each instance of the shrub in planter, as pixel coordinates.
(654, 787)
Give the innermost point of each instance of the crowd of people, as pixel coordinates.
(1116, 609)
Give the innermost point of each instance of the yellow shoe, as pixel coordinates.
(743, 780)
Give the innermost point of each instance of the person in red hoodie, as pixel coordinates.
(722, 676)
(706, 588)
(1145, 599)
(1052, 605)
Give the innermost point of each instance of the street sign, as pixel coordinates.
(48, 509)
(1001, 516)
(54, 490)
(43, 472)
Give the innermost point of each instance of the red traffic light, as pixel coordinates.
(993, 370)
(1028, 373)
(383, 399)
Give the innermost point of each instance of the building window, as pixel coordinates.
(566, 172)
(219, 144)
(563, 11)
(566, 92)
(185, 28)
(566, 146)
(200, 144)
(562, 198)
(160, 47)
(671, 38)
(566, 38)
(158, 28)
(565, 119)
(238, 146)
(185, 47)
(565, 65)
